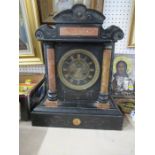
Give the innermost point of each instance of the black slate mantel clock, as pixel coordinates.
(78, 54)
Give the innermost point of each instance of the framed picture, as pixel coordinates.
(30, 50)
(123, 82)
(49, 8)
(123, 79)
(131, 38)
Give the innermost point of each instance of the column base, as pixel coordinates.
(99, 105)
(52, 104)
(102, 101)
(52, 96)
(102, 98)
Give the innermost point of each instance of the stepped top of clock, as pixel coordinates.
(79, 24)
(79, 14)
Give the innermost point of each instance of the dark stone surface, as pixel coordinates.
(108, 122)
(79, 104)
(79, 14)
(62, 116)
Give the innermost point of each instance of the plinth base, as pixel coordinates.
(78, 115)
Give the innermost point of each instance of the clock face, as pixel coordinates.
(78, 69)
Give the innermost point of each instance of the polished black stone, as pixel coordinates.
(74, 103)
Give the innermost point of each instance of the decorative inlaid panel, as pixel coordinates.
(79, 31)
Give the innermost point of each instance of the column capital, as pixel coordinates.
(49, 45)
(108, 47)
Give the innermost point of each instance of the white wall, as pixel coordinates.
(118, 12)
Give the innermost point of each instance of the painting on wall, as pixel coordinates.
(49, 8)
(24, 36)
(131, 34)
(123, 80)
(30, 50)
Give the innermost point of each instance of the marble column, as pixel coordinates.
(52, 96)
(103, 101)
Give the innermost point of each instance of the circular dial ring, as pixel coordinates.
(78, 69)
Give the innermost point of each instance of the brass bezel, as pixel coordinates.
(81, 87)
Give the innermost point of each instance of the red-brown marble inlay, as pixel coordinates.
(79, 31)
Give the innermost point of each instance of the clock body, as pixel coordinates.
(78, 56)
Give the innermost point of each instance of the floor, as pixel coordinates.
(65, 141)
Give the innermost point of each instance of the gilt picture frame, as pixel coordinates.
(49, 8)
(30, 50)
(131, 34)
(123, 77)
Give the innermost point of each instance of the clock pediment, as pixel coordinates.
(79, 24)
(79, 14)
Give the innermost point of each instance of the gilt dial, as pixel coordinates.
(78, 69)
